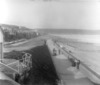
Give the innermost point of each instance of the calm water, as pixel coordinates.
(84, 38)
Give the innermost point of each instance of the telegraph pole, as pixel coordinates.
(1, 44)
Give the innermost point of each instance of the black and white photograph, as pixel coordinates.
(49, 42)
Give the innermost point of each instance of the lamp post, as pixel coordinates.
(1, 44)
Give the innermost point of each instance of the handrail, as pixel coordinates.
(23, 58)
(7, 66)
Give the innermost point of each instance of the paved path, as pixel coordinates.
(68, 74)
(85, 68)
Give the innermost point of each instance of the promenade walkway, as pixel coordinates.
(69, 75)
(84, 68)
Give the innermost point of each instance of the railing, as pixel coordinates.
(25, 62)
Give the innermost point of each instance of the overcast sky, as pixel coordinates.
(77, 14)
